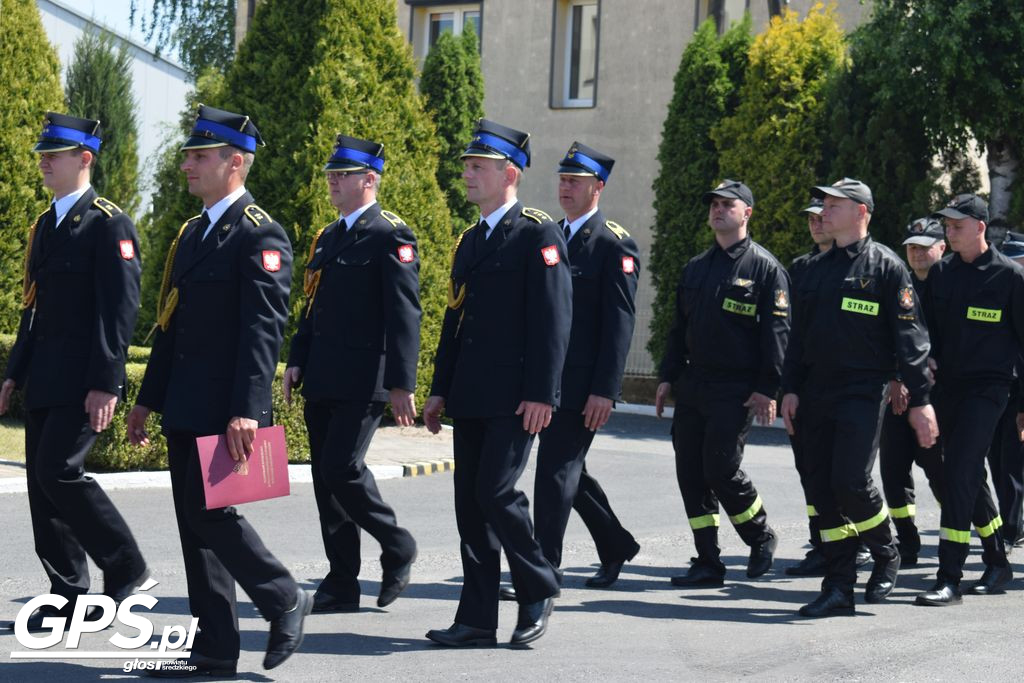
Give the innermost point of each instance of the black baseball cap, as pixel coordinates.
(730, 189)
(814, 207)
(964, 206)
(1013, 246)
(847, 188)
(925, 232)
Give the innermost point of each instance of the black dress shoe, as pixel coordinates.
(394, 582)
(458, 635)
(34, 623)
(533, 621)
(863, 555)
(606, 575)
(941, 594)
(507, 593)
(813, 564)
(325, 603)
(992, 581)
(286, 631)
(831, 602)
(700, 574)
(761, 556)
(195, 666)
(882, 579)
(122, 592)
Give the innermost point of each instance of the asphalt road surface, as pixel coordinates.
(641, 628)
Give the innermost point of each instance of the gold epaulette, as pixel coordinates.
(28, 286)
(616, 229)
(168, 299)
(535, 215)
(311, 281)
(455, 299)
(257, 215)
(392, 218)
(106, 206)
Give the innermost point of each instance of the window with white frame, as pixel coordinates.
(430, 22)
(574, 53)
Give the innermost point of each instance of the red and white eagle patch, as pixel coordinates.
(127, 249)
(628, 266)
(406, 253)
(550, 255)
(272, 260)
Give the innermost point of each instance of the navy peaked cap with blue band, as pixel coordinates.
(495, 141)
(218, 128)
(583, 160)
(62, 132)
(353, 154)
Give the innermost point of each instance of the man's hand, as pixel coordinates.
(763, 407)
(596, 412)
(432, 410)
(100, 407)
(137, 435)
(790, 404)
(1020, 425)
(241, 432)
(926, 427)
(292, 378)
(536, 416)
(899, 397)
(403, 407)
(6, 389)
(659, 397)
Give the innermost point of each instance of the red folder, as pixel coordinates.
(263, 475)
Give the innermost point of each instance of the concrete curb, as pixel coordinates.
(110, 481)
(419, 469)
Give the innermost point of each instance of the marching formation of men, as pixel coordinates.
(850, 347)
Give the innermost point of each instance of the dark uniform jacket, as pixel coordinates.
(360, 336)
(732, 318)
(976, 317)
(605, 267)
(798, 266)
(505, 341)
(75, 337)
(856, 317)
(217, 358)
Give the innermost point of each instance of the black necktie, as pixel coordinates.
(204, 223)
(47, 224)
(566, 231)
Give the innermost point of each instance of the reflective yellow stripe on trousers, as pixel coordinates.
(703, 522)
(954, 535)
(812, 511)
(872, 522)
(839, 533)
(747, 514)
(990, 528)
(903, 512)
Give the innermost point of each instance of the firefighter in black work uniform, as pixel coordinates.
(1006, 457)
(857, 321)
(724, 356)
(497, 374)
(898, 449)
(976, 317)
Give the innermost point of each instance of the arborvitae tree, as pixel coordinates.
(172, 203)
(30, 75)
(307, 71)
(454, 89)
(773, 142)
(706, 84)
(99, 86)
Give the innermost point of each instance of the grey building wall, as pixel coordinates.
(160, 84)
(640, 45)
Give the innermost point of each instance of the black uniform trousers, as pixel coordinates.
(897, 452)
(492, 515)
(709, 430)
(219, 548)
(562, 484)
(799, 459)
(347, 495)
(838, 423)
(1006, 461)
(72, 517)
(968, 414)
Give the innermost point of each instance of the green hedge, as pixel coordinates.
(112, 451)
